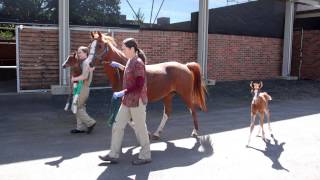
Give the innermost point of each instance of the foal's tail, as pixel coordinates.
(267, 96)
(199, 87)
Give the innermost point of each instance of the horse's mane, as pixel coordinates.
(113, 45)
(109, 40)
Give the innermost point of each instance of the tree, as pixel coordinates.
(139, 18)
(82, 12)
(24, 10)
(94, 12)
(7, 32)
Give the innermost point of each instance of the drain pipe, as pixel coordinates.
(301, 53)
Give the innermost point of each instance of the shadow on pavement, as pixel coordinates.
(273, 152)
(164, 160)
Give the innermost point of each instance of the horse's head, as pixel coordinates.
(105, 49)
(101, 49)
(256, 88)
(71, 61)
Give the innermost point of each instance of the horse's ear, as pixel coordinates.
(74, 53)
(100, 35)
(92, 35)
(251, 84)
(261, 84)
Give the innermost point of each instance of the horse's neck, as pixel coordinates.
(76, 70)
(117, 55)
(114, 76)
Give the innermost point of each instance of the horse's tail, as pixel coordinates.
(267, 97)
(199, 87)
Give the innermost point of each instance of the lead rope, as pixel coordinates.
(114, 106)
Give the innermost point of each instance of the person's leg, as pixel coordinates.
(82, 114)
(120, 123)
(138, 115)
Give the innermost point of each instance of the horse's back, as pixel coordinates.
(166, 65)
(167, 77)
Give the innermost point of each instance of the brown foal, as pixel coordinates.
(259, 104)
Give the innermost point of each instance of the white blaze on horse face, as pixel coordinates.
(255, 97)
(65, 62)
(92, 50)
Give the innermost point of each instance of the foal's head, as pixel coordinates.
(73, 62)
(256, 88)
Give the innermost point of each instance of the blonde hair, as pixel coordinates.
(84, 49)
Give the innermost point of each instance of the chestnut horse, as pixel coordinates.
(259, 104)
(163, 80)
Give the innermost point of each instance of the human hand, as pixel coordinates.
(114, 64)
(118, 94)
(91, 69)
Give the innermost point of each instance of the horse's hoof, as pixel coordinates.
(155, 137)
(195, 135)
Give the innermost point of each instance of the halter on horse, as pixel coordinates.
(163, 80)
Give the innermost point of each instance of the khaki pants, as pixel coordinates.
(83, 119)
(138, 116)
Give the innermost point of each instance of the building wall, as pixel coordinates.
(229, 57)
(38, 58)
(233, 57)
(310, 66)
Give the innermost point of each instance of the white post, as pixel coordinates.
(64, 39)
(203, 20)
(287, 40)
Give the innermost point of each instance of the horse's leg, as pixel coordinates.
(187, 98)
(259, 129)
(195, 123)
(267, 111)
(167, 109)
(253, 119)
(261, 124)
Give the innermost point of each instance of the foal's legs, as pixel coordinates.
(167, 109)
(261, 124)
(267, 111)
(253, 119)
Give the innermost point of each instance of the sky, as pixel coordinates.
(177, 10)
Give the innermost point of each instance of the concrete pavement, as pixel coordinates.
(35, 142)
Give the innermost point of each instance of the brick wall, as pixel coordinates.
(229, 57)
(243, 57)
(310, 66)
(162, 46)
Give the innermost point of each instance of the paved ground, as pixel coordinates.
(35, 142)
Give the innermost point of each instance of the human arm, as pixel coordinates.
(117, 65)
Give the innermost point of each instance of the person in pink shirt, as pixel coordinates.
(133, 106)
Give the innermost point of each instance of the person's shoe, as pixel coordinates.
(90, 128)
(76, 131)
(110, 159)
(141, 161)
